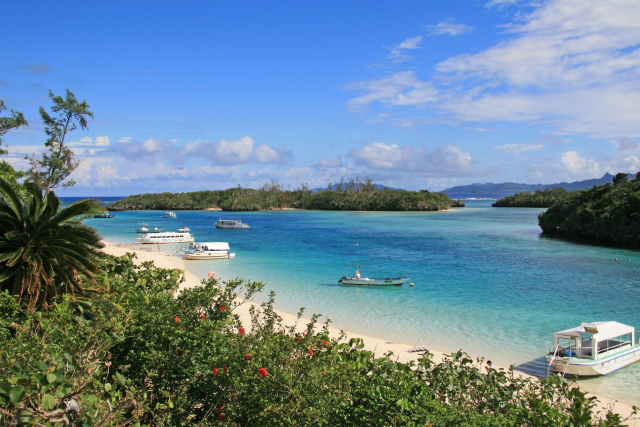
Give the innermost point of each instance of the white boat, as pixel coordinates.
(170, 215)
(144, 229)
(230, 223)
(166, 237)
(591, 349)
(208, 250)
(105, 214)
(358, 279)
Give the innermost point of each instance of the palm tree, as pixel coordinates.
(43, 248)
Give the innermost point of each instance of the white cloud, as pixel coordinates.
(447, 160)
(336, 162)
(125, 139)
(500, 3)
(401, 88)
(577, 164)
(83, 141)
(518, 149)
(102, 140)
(449, 27)
(398, 53)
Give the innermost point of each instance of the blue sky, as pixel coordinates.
(414, 94)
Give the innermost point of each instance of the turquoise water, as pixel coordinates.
(485, 279)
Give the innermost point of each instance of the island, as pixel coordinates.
(537, 199)
(361, 196)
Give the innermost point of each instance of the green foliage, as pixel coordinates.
(538, 199)
(58, 163)
(608, 214)
(9, 174)
(43, 248)
(356, 195)
(144, 357)
(7, 123)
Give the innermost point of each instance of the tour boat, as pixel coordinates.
(230, 223)
(358, 279)
(166, 237)
(591, 349)
(170, 215)
(208, 250)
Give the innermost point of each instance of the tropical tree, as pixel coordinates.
(44, 249)
(58, 163)
(7, 123)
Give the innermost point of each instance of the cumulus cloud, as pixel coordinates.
(401, 88)
(236, 152)
(449, 27)
(83, 141)
(447, 160)
(102, 141)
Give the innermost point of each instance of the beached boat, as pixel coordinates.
(230, 223)
(166, 237)
(358, 279)
(170, 215)
(209, 250)
(105, 214)
(591, 349)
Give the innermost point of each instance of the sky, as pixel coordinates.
(208, 95)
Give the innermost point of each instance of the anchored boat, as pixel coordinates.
(166, 237)
(230, 223)
(592, 349)
(359, 279)
(209, 250)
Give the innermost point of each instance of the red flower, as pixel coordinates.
(263, 372)
(222, 408)
(325, 344)
(222, 418)
(177, 319)
(311, 351)
(222, 307)
(215, 371)
(202, 316)
(185, 329)
(247, 356)
(241, 331)
(298, 339)
(224, 367)
(181, 353)
(323, 372)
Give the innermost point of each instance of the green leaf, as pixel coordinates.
(16, 394)
(121, 378)
(171, 404)
(48, 401)
(52, 377)
(5, 387)
(107, 387)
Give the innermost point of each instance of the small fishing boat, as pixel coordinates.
(105, 214)
(230, 223)
(166, 237)
(592, 349)
(358, 279)
(170, 215)
(208, 250)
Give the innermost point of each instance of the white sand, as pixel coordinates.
(376, 345)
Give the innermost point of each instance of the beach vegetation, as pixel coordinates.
(44, 249)
(352, 194)
(142, 355)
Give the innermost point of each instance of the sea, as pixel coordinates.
(485, 280)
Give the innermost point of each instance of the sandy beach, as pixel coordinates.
(376, 345)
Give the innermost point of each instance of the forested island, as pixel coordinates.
(607, 214)
(354, 195)
(538, 199)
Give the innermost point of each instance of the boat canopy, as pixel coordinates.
(210, 246)
(599, 330)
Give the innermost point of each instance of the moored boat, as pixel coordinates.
(170, 215)
(358, 279)
(166, 237)
(230, 223)
(592, 349)
(105, 214)
(208, 250)
(145, 229)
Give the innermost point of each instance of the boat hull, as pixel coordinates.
(368, 281)
(592, 368)
(208, 256)
(231, 227)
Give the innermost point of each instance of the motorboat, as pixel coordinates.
(359, 279)
(166, 237)
(184, 229)
(230, 223)
(170, 215)
(208, 250)
(105, 214)
(591, 349)
(144, 229)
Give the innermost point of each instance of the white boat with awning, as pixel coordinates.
(591, 349)
(230, 223)
(166, 237)
(208, 250)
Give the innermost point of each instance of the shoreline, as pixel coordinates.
(374, 344)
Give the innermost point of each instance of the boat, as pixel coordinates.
(230, 223)
(208, 250)
(144, 229)
(184, 229)
(592, 349)
(105, 214)
(166, 237)
(170, 215)
(358, 279)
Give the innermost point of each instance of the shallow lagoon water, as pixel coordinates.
(485, 279)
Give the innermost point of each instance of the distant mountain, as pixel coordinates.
(513, 187)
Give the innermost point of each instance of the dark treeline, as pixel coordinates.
(607, 214)
(344, 195)
(538, 199)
